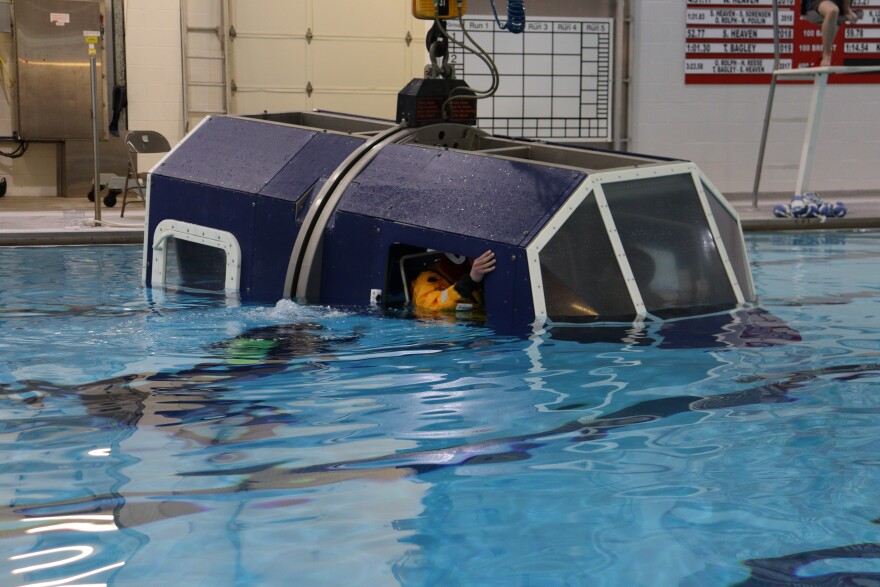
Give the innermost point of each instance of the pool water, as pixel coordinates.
(161, 438)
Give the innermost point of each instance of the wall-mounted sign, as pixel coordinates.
(731, 41)
(59, 18)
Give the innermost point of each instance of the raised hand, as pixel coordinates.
(482, 265)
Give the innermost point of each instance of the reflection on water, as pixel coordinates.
(856, 564)
(82, 523)
(83, 552)
(265, 446)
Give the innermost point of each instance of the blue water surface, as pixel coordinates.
(162, 438)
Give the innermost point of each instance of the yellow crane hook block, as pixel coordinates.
(431, 9)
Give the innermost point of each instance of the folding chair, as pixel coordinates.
(139, 142)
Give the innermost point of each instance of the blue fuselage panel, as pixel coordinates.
(318, 158)
(464, 192)
(358, 257)
(236, 154)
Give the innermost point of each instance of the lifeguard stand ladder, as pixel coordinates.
(819, 75)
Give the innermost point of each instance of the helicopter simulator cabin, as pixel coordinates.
(341, 210)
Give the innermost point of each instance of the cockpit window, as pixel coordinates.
(667, 244)
(729, 229)
(582, 280)
(666, 236)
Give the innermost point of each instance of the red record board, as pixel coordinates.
(731, 41)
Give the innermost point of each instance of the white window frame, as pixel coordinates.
(203, 235)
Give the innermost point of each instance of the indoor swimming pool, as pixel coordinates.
(160, 438)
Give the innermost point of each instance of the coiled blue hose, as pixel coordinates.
(516, 16)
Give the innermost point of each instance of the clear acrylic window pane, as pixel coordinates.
(667, 240)
(581, 276)
(729, 230)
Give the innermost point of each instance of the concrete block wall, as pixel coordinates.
(719, 126)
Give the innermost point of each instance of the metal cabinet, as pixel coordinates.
(53, 70)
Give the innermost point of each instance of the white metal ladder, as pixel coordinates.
(205, 36)
(819, 75)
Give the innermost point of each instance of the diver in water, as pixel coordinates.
(257, 353)
(453, 283)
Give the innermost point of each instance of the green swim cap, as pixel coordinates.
(248, 351)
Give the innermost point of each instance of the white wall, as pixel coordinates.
(153, 69)
(356, 61)
(719, 127)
